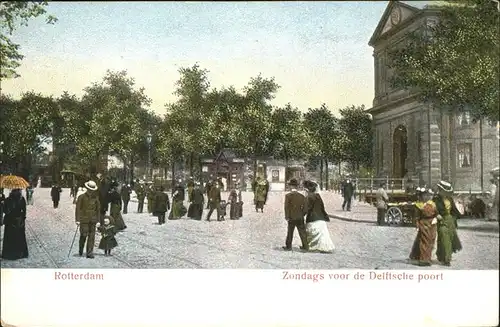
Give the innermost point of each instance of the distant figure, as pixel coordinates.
(116, 206)
(236, 205)
(14, 240)
(140, 190)
(381, 203)
(29, 195)
(195, 210)
(260, 194)
(162, 205)
(125, 193)
(214, 198)
(347, 193)
(55, 194)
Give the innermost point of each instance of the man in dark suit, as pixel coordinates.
(55, 194)
(294, 215)
(347, 193)
(214, 198)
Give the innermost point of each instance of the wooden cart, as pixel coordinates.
(400, 210)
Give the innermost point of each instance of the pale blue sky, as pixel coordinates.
(317, 51)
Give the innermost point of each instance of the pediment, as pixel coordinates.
(394, 15)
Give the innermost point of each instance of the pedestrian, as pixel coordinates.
(116, 207)
(29, 195)
(426, 223)
(208, 187)
(108, 240)
(294, 215)
(260, 194)
(141, 195)
(347, 193)
(125, 193)
(55, 194)
(150, 195)
(317, 234)
(197, 202)
(381, 203)
(14, 239)
(214, 199)
(178, 208)
(162, 205)
(103, 196)
(87, 215)
(190, 187)
(235, 203)
(448, 241)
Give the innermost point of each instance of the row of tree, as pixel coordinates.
(113, 117)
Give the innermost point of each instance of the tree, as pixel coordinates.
(320, 124)
(454, 63)
(13, 14)
(356, 125)
(289, 135)
(190, 110)
(254, 122)
(25, 125)
(114, 124)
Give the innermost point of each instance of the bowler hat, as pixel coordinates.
(293, 182)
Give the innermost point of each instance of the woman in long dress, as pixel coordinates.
(115, 200)
(447, 237)
(318, 236)
(426, 224)
(14, 240)
(236, 205)
(178, 209)
(260, 195)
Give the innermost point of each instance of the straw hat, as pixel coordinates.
(91, 185)
(445, 187)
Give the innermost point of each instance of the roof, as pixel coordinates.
(411, 6)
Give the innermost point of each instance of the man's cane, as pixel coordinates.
(73, 242)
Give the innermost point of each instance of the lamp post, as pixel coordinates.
(148, 141)
(1, 156)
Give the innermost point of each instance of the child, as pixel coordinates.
(108, 240)
(222, 210)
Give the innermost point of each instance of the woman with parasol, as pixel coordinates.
(14, 241)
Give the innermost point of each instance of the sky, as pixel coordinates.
(317, 51)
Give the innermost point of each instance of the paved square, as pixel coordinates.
(254, 241)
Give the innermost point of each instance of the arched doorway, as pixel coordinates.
(399, 151)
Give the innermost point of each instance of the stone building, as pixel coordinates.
(413, 139)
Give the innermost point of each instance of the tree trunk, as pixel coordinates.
(327, 178)
(173, 175)
(321, 174)
(191, 164)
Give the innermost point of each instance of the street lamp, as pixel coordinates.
(148, 141)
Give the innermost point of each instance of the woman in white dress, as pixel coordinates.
(318, 236)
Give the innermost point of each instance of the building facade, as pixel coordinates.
(417, 140)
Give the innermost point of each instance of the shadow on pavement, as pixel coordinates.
(369, 222)
(485, 228)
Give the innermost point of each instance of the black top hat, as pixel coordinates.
(293, 182)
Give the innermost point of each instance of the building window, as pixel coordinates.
(464, 119)
(464, 155)
(275, 176)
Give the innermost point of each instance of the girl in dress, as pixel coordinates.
(108, 240)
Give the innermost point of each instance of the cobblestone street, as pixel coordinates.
(254, 241)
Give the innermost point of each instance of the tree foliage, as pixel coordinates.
(455, 62)
(357, 130)
(12, 15)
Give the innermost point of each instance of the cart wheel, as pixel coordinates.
(394, 216)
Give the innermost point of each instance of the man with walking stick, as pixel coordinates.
(87, 214)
